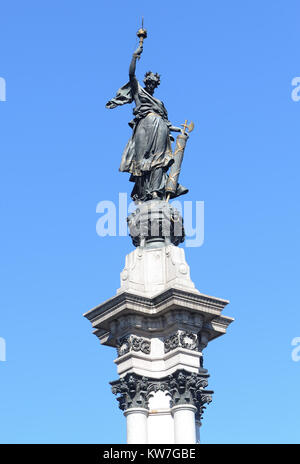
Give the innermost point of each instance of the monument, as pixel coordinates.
(158, 322)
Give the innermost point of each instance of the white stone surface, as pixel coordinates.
(158, 366)
(136, 425)
(184, 424)
(149, 271)
(160, 419)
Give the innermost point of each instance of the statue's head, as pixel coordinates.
(151, 81)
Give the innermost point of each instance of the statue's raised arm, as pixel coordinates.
(132, 78)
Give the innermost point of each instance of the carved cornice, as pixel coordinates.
(122, 313)
(183, 387)
(212, 304)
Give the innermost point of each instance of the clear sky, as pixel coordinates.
(228, 66)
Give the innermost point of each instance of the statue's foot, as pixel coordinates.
(181, 190)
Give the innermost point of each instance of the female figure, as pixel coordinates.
(148, 153)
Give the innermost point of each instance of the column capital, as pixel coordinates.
(185, 389)
(133, 390)
(188, 388)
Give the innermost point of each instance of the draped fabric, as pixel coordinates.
(122, 97)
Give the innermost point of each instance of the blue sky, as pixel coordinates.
(228, 66)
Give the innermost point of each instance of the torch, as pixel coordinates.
(142, 34)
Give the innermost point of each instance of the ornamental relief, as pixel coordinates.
(187, 340)
(129, 343)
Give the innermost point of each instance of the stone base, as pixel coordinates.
(149, 271)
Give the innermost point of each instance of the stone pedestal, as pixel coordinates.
(149, 271)
(159, 324)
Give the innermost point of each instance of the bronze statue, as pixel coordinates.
(148, 153)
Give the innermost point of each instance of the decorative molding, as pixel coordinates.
(125, 344)
(187, 340)
(129, 322)
(171, 343)
(141, 344)
(183, 387)
(121, 314)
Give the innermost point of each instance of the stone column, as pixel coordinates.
(136, 420)
(184, 423)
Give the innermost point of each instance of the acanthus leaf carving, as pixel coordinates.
(183, 387)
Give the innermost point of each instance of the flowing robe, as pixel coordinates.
(148, 153)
